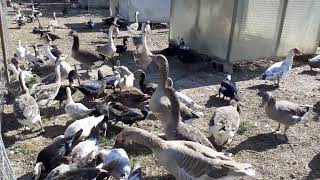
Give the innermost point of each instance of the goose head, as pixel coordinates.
(266, 97)
(295, 52)
(73, 33)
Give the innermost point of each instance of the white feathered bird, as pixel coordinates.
(281, 69)
(21, 51)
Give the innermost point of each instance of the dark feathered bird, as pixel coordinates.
(92, 88)
(90, 24)
(170, 51)
(62, 94)
(125, 114)
(111, 80)
(148, 88)
(53, 37)
(229, 89)
(65, 12)
(122, 48)
(132, 98)
(53, 155)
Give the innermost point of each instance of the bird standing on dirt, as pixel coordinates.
(229, 89)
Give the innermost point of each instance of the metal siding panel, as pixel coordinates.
(301, 26)
(256, 29)
(204, 24)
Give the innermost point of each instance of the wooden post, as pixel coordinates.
(3, 43)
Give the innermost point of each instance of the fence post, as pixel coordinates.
(3, 44)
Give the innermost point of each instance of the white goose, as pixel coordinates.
(109, 49)
(21, 51)
(281, 69)
(132, 28)
(75, 110)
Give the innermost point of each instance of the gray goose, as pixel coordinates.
(26, 109)
(175, 129)
(188, 160)
(284, 112)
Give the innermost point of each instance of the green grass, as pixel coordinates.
(244, 127)
(25, 148)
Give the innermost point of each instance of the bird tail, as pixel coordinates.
(239, 169)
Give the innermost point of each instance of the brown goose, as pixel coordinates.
(188, 160)
(175, 129)
(84, 56)
(284, 112)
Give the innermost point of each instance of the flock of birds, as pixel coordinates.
(184, 151)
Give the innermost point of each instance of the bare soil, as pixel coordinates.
(297, 158)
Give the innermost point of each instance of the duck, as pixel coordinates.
(122, 48)
(126, 114)
(75, 110)
(35, 12)
(109, 49)
(146, 88)
(62, 94)
(46, 93)
(21, 21)
(17, 16)
(281, 69)
(175, 129)
(131, 98)
(145, 57)
(90, 24)
(283, 112)
(84, 56)
(133, 28)
(34, 57)
(229, 89)
(86, 124)
(54, 154)
(111, 81)
(127, 77)
(26, 109)
(122, 168)
(314, 62)
(52, 36)
(82, 173)
(65, 11)
(225, 123)
(184, 54)
(92, 88)
(15, 69)
(186, 159)
(20, 51)
(84, 148)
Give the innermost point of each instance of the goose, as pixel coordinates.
(314, 62)
(281, 69)
(54, 154)
(284, 112)
(53, 23)
(188, 160)
(122, 48)
(84, 56)
(20, 51)
(144, 58)
(127, 115)
(86, 125)
(84, 148)
(90, 24)
(132, 28)
(173, 127)
(148, 88)
(130, 98)
(109, 49)
(229, 89)
(225, 123)
(159, 103)
(139, 40)
(26, 109)
(75, 110)
(45, 93)
(121, 159)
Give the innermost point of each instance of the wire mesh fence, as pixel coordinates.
(6, 172)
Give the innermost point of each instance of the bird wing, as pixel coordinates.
(93, 85)
(291, 108)
(190, 133)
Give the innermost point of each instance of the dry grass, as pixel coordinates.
(272, 158)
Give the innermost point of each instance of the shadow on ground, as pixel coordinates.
(314, 165)
(258, 143)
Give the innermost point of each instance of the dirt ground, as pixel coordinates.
(299, 158)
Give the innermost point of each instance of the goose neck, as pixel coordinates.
(76, 44)
(174, 117)
(22, 81)
(162, 63)
(152, 141)
(110, 34)
(57, 71)
(136, 17)
(69, 97)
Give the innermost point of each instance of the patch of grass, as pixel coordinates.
(244, 127)
(25, 148)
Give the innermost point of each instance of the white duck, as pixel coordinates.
(123, 169)
(75, 110)
(281, 69)
(21, 51)
(53, 23)
(26, 109)
(127, 77)
(85, 124)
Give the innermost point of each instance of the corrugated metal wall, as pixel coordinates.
(235, 30)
